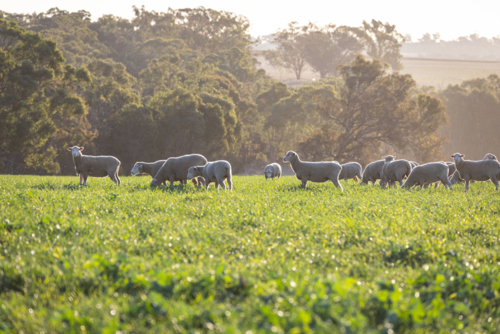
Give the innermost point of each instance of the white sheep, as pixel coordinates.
(314, 171)
(96, 166)
(395, 170)
(215, 171)
(477, 170)
(351, 170)
(373, 172)
(427, 174)
(176, 169)
(150, 168)
(272, 170)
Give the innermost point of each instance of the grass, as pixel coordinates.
(267, 257)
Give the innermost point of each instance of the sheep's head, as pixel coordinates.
(389, 158)
(194, 171)
(289, 156)
(137, 169)
(490, 156)
(198, 182)
(154, 183)
(75, 150)
(457, 157)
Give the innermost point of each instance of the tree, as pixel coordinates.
(325, 48)
(371, 108)
(382, 42)
(474, 111)
(290, 53)
(38, 98)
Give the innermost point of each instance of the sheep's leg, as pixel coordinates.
(495, 182)
(222, 184)
(467, 185)
(230, 182)
(207, 183)
(112, 177)
(337, 184)
(85, 177)
(217, 185)
(81, 179)
(171, 183)
(304, 183)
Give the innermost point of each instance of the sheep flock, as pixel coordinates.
(387, 171)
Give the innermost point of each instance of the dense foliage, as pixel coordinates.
(266, 257)
(184, 81)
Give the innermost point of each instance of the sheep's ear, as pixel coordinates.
(452, 156)
(69, 149)
(461, 155)
(81, 148)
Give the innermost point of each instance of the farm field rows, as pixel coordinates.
(268, 257)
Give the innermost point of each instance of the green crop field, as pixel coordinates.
(268, 257)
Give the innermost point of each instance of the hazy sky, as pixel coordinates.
(451, 18)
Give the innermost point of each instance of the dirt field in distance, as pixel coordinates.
(426, 72)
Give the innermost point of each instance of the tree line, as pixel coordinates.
(184, 81)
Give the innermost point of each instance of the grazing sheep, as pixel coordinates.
(427, 174)
(314, 171)
(351, 170)
(176, 169)
(198, 181)
(490, 156)
(97, 166)
(272, 170)
(373, 172)
(477, 170)
(215, 171)
(395, 170)
(150, 168)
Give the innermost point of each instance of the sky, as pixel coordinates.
(451, 19)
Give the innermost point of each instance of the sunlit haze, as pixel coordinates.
(450, 18)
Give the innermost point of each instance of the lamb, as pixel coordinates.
(97, 166)
(215, 171)
(395, 170)
(427, 174)
(351, 170)
(176, 169)
(314, 171)
(477, 170)
(272, 170)
(373, 172)
(150, 168)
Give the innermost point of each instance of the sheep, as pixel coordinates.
(490, 156)
(395, 170)
(477, 170)
(414, 164)
(314, 171)
(427, 174)
(351, 170)
(215, 171)
(373, 172)
(272, 170)
(451, 168)
(176, 169)
(150, 168)
(454, 176)
(97, 166)
(198, 181)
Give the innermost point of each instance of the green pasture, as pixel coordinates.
(268, 257)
